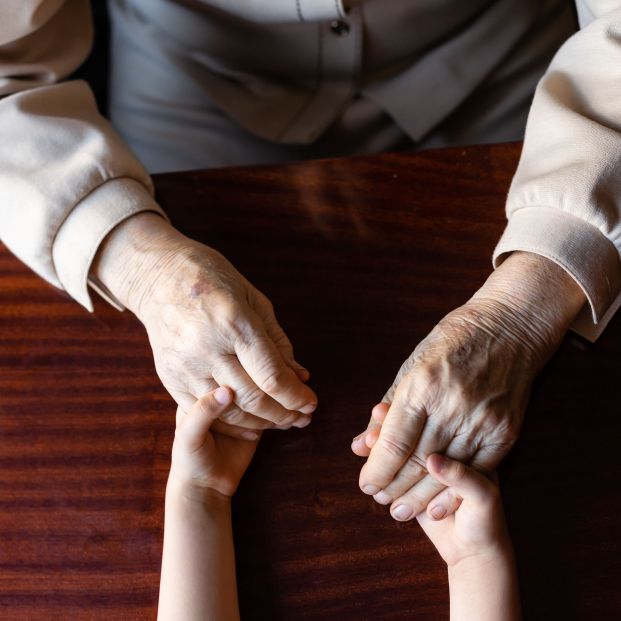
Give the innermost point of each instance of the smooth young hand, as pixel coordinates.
(198, 562)
(203, 460)
(477, 530)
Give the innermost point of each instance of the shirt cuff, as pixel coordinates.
(319, 10)
(81, 234)
(580, 248)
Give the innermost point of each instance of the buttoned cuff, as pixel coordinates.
(319, 10)
(580, 248)
(87, 225)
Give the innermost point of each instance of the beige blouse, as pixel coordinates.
(66, 178)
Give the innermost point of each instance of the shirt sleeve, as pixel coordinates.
(66, 178)
(565, 199)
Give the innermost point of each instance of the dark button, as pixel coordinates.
(339, 27)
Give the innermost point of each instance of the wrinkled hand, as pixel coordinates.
(464, 389)
(207, 325)
(462, 393)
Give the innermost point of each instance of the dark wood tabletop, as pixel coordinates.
(361, 258)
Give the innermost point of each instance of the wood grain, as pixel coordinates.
(361, 258)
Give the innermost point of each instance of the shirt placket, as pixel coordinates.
(339, 53)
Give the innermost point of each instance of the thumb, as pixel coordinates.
(196, 424)
(466, 482)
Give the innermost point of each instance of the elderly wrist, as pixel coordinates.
(133, 255)
(536, 298)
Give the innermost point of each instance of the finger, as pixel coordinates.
(467, 482)
(232, 431)
(433, 439)
(372, 437)
(302, 372)
(265, 310)
(448, 501)
(359, 446)
(398, 437)
(487, 458)
(184, 400)
(204, 412)
(416, 499)
(444, 504)
(380, 411)
(265, 365)
(363, 443)
(249, 398)
(282, 342)
(236, 417)
(233, 415)
(410, 474)
(180, 415)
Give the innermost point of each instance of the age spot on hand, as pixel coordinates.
(200, 287)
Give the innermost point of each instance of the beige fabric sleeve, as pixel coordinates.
(565, 199)
(66, 178)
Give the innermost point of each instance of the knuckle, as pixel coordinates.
(232, 319)
(394, 446)
(416, 465)
(234, 416)
(285, 419)
(285, 347)
(503, 425)
(512, 431)
(274, 380)
(265, 302)
(254, 402)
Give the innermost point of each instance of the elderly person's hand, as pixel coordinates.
(207, 325)
(464, 389)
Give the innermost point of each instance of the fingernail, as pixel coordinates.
(251, 436)
(438, 512)
(402, 513)
(371, 490)
(222, 395)
(302, 422)
(357, 439)
(382, 497)
(309, 408)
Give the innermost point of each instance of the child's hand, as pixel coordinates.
(477, 529)
(203, 460)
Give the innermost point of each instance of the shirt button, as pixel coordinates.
(339, 27)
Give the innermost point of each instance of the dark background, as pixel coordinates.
(95, 69)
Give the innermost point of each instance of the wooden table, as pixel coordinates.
(361, 258)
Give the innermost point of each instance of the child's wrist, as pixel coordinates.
(497, 555)
(179, 489)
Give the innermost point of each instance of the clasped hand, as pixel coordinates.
(462, 392)
(207, 325)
